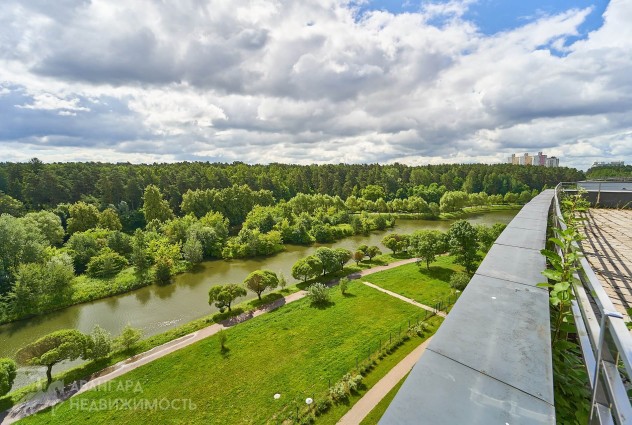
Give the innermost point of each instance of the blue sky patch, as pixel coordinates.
(493, 16)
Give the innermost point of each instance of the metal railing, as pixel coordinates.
(606, 342)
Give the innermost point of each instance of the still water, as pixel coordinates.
(155, 309)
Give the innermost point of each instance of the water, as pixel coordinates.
(155, 309)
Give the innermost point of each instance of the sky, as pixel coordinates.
(327, 81)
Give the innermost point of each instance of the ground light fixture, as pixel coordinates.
(277, 396)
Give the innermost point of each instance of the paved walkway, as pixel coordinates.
(52, 398)
(363, 407)
(408, 300)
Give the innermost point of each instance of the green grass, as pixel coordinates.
(418, 283)
(294, 351)
(381, 369)
(378, 411)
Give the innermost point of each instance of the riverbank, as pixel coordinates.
(251, 344)
(148, 346)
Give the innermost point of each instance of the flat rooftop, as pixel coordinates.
(608, 249)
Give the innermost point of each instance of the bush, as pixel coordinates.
(459, 281)
(319, 293)
(322, 406)
(162, 272)
(344, 285)
(107, 264)
(129, 337)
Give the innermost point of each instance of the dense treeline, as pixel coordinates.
(37, 185)
(609, 172)
(75, 232)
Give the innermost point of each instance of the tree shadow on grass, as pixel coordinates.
(323, 305)
(225, 352)
(349, 295)
(436, 272)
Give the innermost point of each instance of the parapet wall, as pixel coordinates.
(490, 361)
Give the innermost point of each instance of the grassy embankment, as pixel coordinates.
(294, 351)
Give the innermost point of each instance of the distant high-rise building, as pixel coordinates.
(552, 162)
(537, 160)
(608, 164)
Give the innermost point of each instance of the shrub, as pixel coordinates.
(129, 337)
(107, 264)
(319, 293)
(162, 272)
(459, 281)
(344, 285)
(100, 343)
(338, 392)
(322, 406)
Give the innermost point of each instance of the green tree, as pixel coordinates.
(10, 205)
(8, 372)
(101, 343)
(344, 285)
(342, 256)
(358, 256)
(82, 247)
(141, 259)
(192, 250)
(82, 217)
(129, 337)
(395, 242)
(48, 224)
(260, 280)
(307, 268)
(458, 281)
(66, 344)
(154, 206)
(487, 235)
(327, 257)
(163, 270)
(373, 192)
(106, 263)
(372, 251)
(224, 295)
(19, 243)
(426, 245)
(109, 219)
(464, 244)
(453, 201)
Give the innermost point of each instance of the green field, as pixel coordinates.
(418, 283)
(293, 351)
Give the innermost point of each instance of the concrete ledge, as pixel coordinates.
(490, 362)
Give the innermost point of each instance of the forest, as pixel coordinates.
(74, 232)
(609, 172)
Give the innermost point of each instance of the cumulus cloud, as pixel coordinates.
(308, 82)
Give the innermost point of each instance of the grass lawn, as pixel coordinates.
(418, 283)
(378, 411)
(383, 367)
(293, 351)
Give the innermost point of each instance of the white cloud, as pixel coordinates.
(263, 81)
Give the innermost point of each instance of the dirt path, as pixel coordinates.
(408, 300)
(363, 407)
(51, 398)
